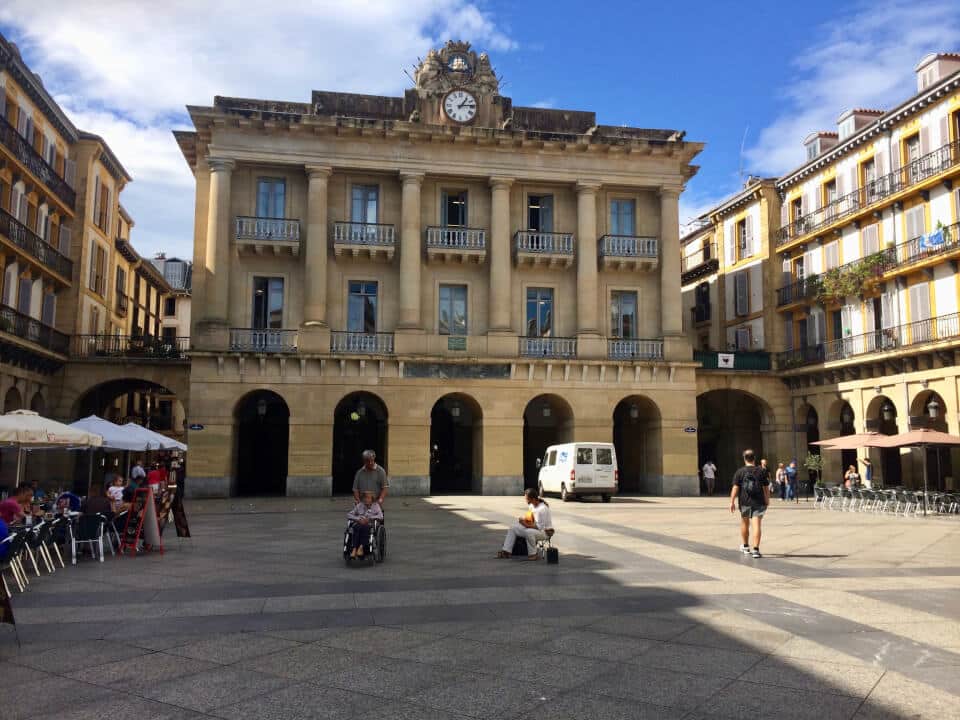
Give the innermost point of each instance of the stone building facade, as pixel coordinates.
(449, 279)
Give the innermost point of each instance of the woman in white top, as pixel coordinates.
(535, 525)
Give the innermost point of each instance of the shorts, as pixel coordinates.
(752, 512)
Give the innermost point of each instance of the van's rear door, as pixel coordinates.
(584, 467)
(603, 467)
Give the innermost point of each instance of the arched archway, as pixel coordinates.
(844, 418)
(456, 444)
(12, 400)
(359, 423)
(882, 418)
(928, 410)
(547, 420)
(728, 422)
(262, 421)
(811, 422)
(143, 402)
(37, 403)
(639, 446)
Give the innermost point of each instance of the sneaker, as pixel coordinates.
(745, 549)
(755, 553)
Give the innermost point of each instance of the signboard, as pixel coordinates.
(142, 518)
(196, 426)
(456, 343)
(689, 429)
(166, 501)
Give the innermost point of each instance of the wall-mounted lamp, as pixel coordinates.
(888, 411)
(933, 408)
(634, 412)
(261, 408)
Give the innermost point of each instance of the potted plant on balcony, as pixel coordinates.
(858, 278)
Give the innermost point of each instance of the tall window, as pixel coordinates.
(741, 289)
(23, 296)
(267, 303)
(796, 209)
(916, 221)
(121, 281)
(271, 197)
(912, 147)
(454, 209)
(623, 217)
(94, 328)
(539, 312)
(453, 309)
(169, 335)
(744, 232)
(49, 311)
(362, 307)
(98, 269)
(623, 314)
(829, 192)
(364, 200)
(170, 307)
(540, 213)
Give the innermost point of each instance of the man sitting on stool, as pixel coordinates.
(535, 525)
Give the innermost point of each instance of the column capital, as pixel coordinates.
(409, 177)
(217, 164)
(500, 182)
(588, 186)
(668, 191)
(318, 171)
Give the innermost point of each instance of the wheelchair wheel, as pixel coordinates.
(381, 544)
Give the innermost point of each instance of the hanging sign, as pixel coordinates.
(196, 426)
(689, 429)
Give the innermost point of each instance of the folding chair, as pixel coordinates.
(51, 541)
(14, 562)
(36, 540)
(89, 532)
(9, 563)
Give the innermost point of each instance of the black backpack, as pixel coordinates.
(752, 487)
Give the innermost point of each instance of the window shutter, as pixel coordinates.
(895, 158)
(944, 131)
(785, 270)
(868, 316)
(813, 262)
(742, 338)
(880, 162)
(832, 255)
(92, 284)
(920, 302)
(871, 239)
(916, 222)
(23, 209)
(887, 301)
(96, 199)
(107, 214)
(846, 320)
(748, 231)
(70, 172)
(841, 188)
(853, 180)
(3, 102)
(742, 294)
(64, 241)
(788, 332)
(21, 122)
(546, 213)
(784, 213)
(730, 246)
(818, 194)
(924, 140)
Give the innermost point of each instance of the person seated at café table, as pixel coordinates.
(70, 501)
(97, 502)
(39, 494)
(10, 511)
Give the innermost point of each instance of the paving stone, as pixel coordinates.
(70, 657)
(582, 706)
(601, 646)
(119, 706)
(302, 701)
(641, 626)
(228, 649)
(698, 660)
(140, 672)
(211, 689)
(751, 700)
(657, 687)
(306, 662)
(21, 688)
(485, 697)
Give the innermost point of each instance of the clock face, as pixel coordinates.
(460, 106)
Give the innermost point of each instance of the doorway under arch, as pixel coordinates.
(639, 446)
(846, 420)
(456, 445)
(262, 421)
(359, 423)
(134, 400)
(928, 410)
(882, 418)
(728, 422)
(12, 400)
(547, 420)
(37, 404)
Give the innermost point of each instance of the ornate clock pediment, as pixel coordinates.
(455, 65)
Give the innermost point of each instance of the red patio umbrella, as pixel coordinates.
(921, 438)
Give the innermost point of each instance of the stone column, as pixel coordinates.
(499, 256)
(315, 256)
(671, 321)
(218, 241)
(410, 253)
(590, 342)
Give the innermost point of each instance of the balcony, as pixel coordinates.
(123, 302)
(358, 343)
(549, 249)
(456, 244)
(277, 236)
(34, 246)
(30, 329)
(751, 361)
(804, 289)
(263, 341)
(920, 332)
(368, 240)
(909, 176)
(699, 314)
(622, 349)
(701, 263)
(548, 347)
(27, 156)
(628, 252)
(129, 347)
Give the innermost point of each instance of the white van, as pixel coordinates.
(576, 469)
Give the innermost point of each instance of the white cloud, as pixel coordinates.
(125, 70)
(546, 103)
(865, 59)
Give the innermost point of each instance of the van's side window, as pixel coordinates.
(584, 456)
(604, 456)
(553, 458)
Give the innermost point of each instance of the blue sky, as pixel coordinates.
(714, 69)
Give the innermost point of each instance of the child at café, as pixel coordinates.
(115, 491)
(360, 517)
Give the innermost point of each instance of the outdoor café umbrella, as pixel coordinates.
(850, 442)
(921, 438)
(159, 442)
(115, 437)
(27, 429)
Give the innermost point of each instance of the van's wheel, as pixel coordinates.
(540, 490)
(606, 498)
(564, 495)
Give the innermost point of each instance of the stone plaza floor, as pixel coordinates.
(652, 612)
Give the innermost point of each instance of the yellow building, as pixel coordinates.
(449, 279)
(863, 260)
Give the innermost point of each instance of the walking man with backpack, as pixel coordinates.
(751, 493)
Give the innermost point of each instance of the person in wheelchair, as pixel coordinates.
(359, 522)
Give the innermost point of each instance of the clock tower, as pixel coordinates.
(457, 86)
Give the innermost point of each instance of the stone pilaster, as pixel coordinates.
(315, 334)
(410, 252)
(587, 259)
(671, 320)
(499, 254)
(218, 241)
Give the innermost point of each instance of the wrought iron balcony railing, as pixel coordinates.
(456, 238)
(548, 243)
(27, 155)
(356, 233)
(361, 343)
(548, 347)
(732, 361)
(626, 349)
(263, 340)
(260, 228)
(123, 302)
(945, 327)
(27, 328)
(127, 347)
(32, 244)
(699, 314)
(913, 173)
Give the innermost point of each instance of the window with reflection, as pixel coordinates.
(267, 303)
(362, 307)
(271, 197)
(453, 310)
(623, 314)
(539, 312)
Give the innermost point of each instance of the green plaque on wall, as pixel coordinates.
(456, 343)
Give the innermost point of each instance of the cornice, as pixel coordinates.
(11, 62)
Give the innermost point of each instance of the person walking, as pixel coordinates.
(779, 480)
(867, 472)
(371, 477)
(709, 475)
(751, 494)
(789, 490)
